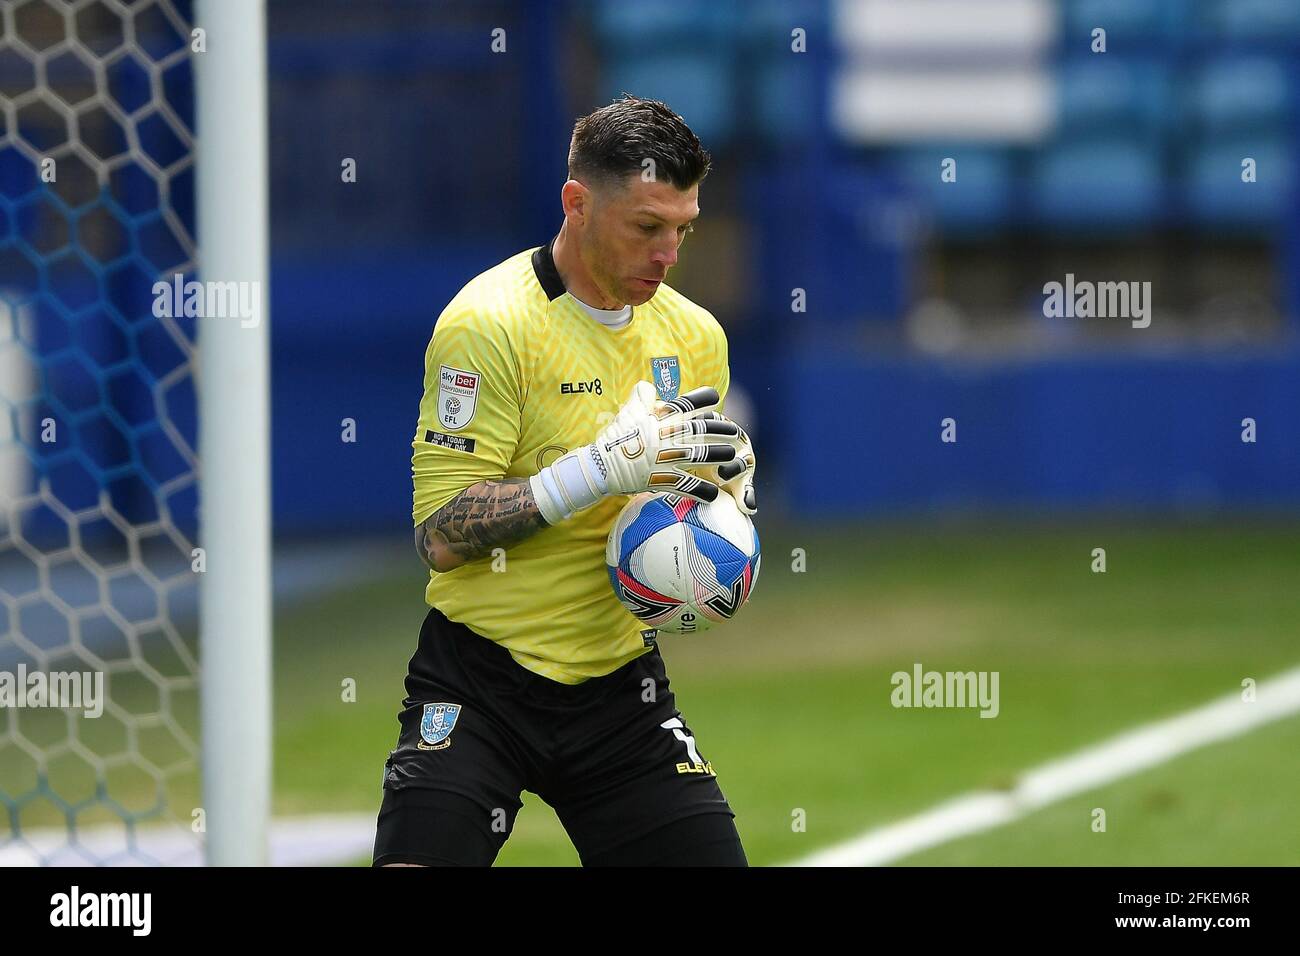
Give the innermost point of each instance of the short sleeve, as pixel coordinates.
(724, 373)
(470, 413)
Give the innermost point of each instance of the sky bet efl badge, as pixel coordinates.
(436, 726)
(457, 397)
(667, 376)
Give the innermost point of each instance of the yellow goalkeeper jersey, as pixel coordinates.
(517, 374)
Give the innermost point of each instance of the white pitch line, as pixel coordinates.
(1129, 753)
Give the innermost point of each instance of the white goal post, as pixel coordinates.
(234, 434)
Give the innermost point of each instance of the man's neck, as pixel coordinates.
(578, 282)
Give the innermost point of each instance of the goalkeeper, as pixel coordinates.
(556, 384)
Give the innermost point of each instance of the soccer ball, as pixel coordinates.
(680, 565)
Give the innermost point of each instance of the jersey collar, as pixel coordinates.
(547, 274)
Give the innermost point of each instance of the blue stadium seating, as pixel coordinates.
(698, 83)
(1214, 195)
(785, 100)
(1255, 19)
(1240, 93)
(772, 20)
(1108, 95)
(1102, 183)
(626, 28)
(1123, 20)
(979, 199)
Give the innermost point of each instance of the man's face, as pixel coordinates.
(632, 235)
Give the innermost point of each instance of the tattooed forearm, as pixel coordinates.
(486, 515)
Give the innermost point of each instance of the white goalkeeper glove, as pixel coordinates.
(736, 477)
(644, 448)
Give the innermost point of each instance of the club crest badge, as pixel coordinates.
(457, 397)
(667, 377)
(436, 725)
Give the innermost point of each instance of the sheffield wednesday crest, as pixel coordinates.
(667, 376)
(436, 726)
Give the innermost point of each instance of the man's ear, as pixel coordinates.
(575, 199)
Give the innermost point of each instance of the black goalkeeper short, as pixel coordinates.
(613, 756)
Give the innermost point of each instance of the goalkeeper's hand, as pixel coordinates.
(645, 448)
(736, 477)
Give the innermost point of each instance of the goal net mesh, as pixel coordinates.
(98, 471)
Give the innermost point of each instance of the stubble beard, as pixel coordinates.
(607, 281)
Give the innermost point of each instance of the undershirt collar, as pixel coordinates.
(610, 318)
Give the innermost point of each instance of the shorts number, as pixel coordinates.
(676, 726)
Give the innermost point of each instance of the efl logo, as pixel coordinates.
(457, 397)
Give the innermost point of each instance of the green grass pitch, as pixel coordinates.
(791, 701)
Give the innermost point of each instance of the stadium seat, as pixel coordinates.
(1123, 20)
(1255, 19)
(1108, 95)
(1214, 195)
(697, 83)
(772, 20)
(1233, 94)
(623, 28)
(1103, 184)
(784, 98)
(979, 199)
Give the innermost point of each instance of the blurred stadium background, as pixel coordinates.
(924, 301)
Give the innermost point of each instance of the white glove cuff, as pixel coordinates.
(572, 483)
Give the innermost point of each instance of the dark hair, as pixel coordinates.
(615, 140)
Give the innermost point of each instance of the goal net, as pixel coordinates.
(99, 677)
